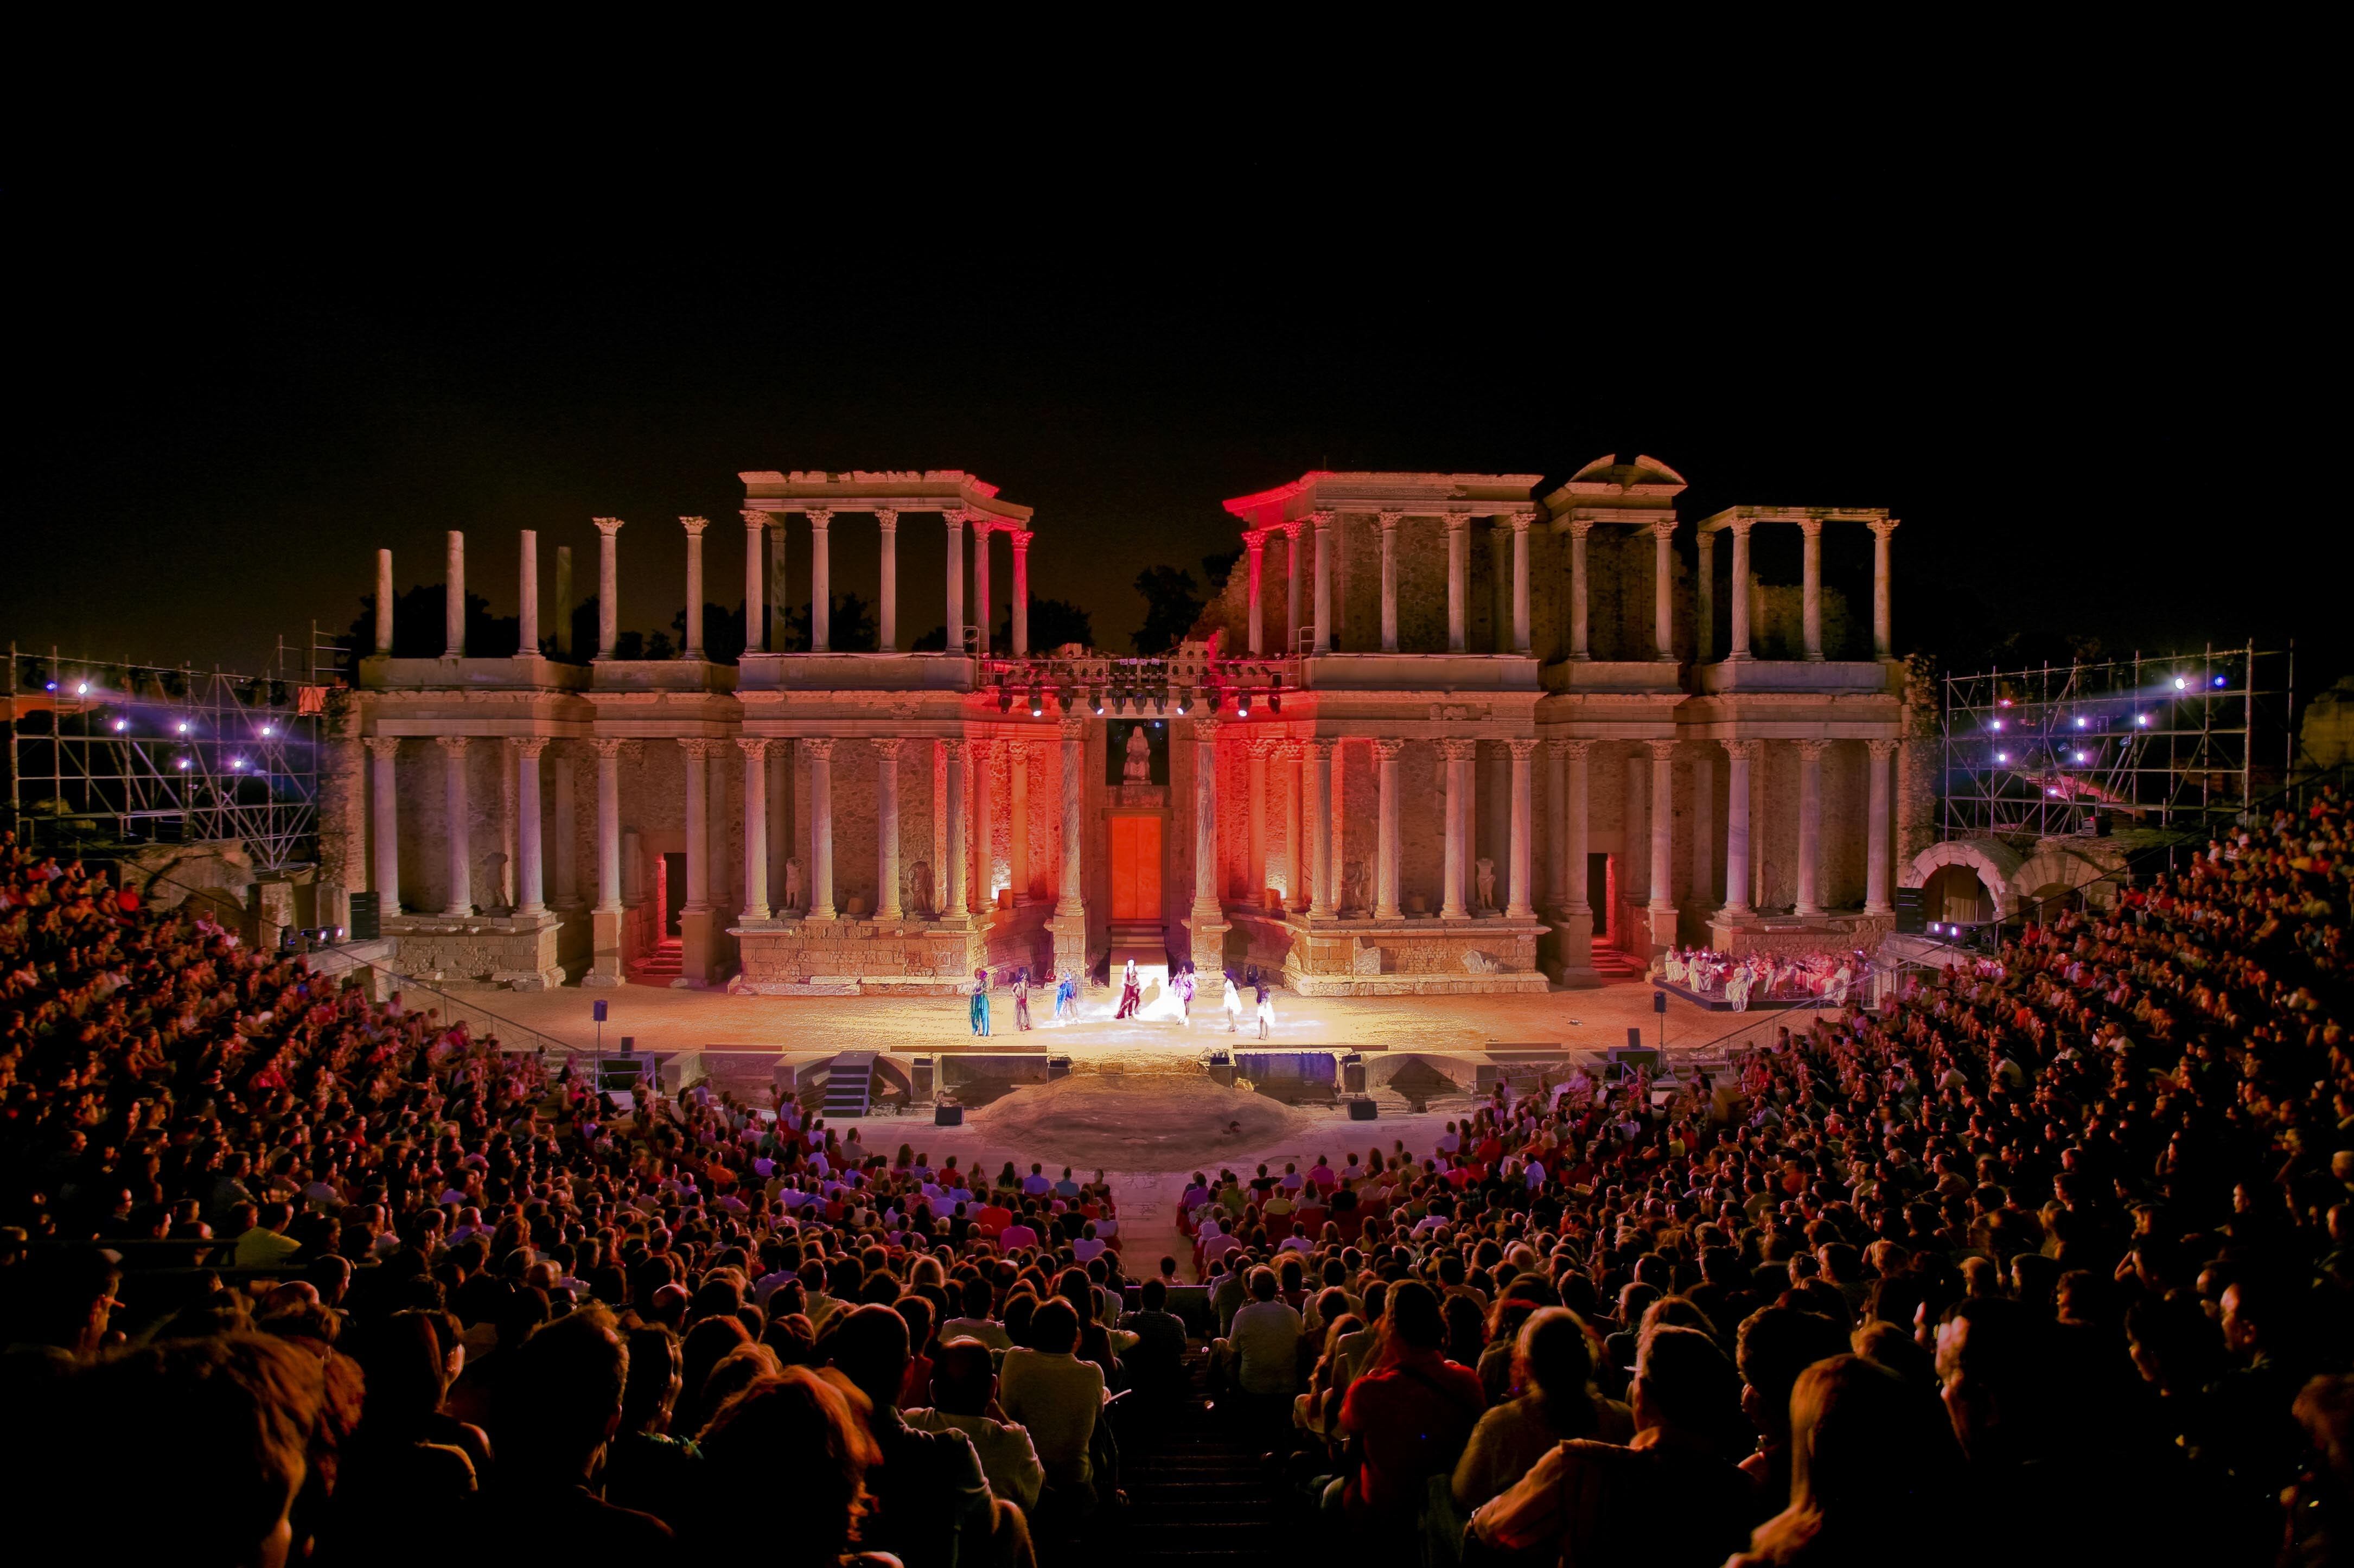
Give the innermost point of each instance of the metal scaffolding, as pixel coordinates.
(112, 757)
(2175, 743)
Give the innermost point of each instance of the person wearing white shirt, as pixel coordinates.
(964, 1390)
(1048, 1390)
(1261, 1350)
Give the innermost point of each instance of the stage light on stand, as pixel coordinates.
(2142, 719)
(1037, 702)
(1184, 700)
(1005, 697)
(1993, 724)
(2002, 756)
(84, 690)
(1095, 701)
(1242, 704)
(120, 725)
(1217, 697)
(2218, 680)
(2080, 721)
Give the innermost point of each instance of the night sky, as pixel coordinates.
(2090, 424)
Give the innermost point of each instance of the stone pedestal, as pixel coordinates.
(605, 963)
(507, 952)
(1070, 934)
(699, 947)
(1569, 950)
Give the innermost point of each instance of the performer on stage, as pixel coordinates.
(1021, 998)
(1233, 1003)
(980, 1002)
(1266, 1007)
(1131, 991)
(1184, 984)
(1067, 997)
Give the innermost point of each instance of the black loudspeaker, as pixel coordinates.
(1634, 1038)
(1363, 1110)
(367, 916)
(948, 1116)
(1057, 1067)
(1911, 916)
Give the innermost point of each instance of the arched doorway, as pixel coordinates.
(1955, 894)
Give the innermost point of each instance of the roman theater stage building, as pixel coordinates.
(1440, 733)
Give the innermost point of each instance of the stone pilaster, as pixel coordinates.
(888, 905)
(1518, 904)
(609, 584)
(755, 828)
(1385, 865)
(530, 899)
(605, 957)
(1207, 922)
(820, 755)
(1810, 827)
(1458, 755)
(460, 859)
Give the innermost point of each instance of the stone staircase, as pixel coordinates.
(661, 967)
(849, 1086)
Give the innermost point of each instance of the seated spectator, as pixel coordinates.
(1056, 1397)
(1155, 1364)
(964, 1385)
(1410, 1414)
(647, 1467)
(1855, 1482)
(793, 1424)
(1553, 1359)
(1260, 1356)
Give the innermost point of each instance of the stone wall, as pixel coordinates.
(848, 957)
(482, 953)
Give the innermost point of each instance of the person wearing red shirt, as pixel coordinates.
(1409, 1415)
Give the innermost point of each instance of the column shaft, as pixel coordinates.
(1810, 601)
(1017, 823)
(887, 608)
(981, 605)
(1324, 537)
(715, 825)
(820, 754)
(780, 598)
(1389, 582)
(888, 905)
(1294, 864)
(1070, 902)
(460, 852)
(1876, 899)
(609, 825)
(566, 882)
(1574, 830)
(1664, 826)
(1739, 754)
(1336, 830)
(1883, 643)
(1254, 549)
(453, 599)
(1556, 821)
(1579, 591)
(756, 619)
(820, 582)
(955, 521)
(781, 826)
(1703, 811)
(694, 527)
(1322, 774)
(1704, 601)
(1522, 642)
(1663, 592)
(1020, 539)
(1254, 865)
(530, 886)
(609, 587)
(528, 621)
(1385, 873)
(1451, 901)
(699, 824)
(755, 826)
(1739, 589)
(1810, 827)
(385, 811)
(383, 602)
(1205, 822)
(1499, 581)
(1291, 592)
(1458, 583)
(1516, 905)
(984, 825)
(954, 904)
(1633, 854)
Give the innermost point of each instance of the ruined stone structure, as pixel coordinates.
(1440, 732)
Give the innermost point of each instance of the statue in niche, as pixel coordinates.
(1353, 875)
(793, 884)
(919, 888)
(1138, 769)
(1487, 884)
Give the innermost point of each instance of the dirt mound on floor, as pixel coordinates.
(1159, 1122)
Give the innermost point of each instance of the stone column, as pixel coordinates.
(820, 898)
(1703, 850)
(955, 520)
(1254, 547)
(1883, 643)
(1575, 833)
(820, 523)
(755, 826)
(1294, 863)
(886, 613)
(1389, 520)
(1256, 749)
(1810, 827)
(453, 599)
(609, 584)
(1324, 537)
(1458, 581)
(1385, 845)
(981, 605)
(1635, 810)
(1876, 900)
(1663, 592)
(565, 601)
(1337, 827)
(1020, 539)
(1579, 590)
(530, 884)
(1664, 826)
(779, 585)
(605, 920)
(694, 527)
(781, 826)
(1015, 760)
(983, 756)
(1069, 903)
(1739, 754)
(567, 859)
(698, 825)
(1323, 778)
(714, 824)
(1811, 591)
(1739, 589)
(1499, 607)
(528, 621)
(383, 603)
(888, 905)
(1291, 593)
(505, 895)
(1208, 922)
(1517, 905)
(460, 846)
(1522, 640)
(1457, 755)
(1556, 811)
(1704, 602)
(953, 903)
(384, 876)
(756, 619)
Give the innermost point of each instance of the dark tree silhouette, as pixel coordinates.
(418, 630)
(1171, 605)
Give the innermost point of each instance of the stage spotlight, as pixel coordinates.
(2079, 757)
(1242, 704)
(2142, 719)
(1095, 701)
(268, 730)
(1005, 697)
(183, 763)
(2002, 756)
(1217, 698)
(84, 690)
(1994, 724)
(2179, 684)
(237, 762)
(2218, 680)
(1037, 702)
(1184, 700)
(122, 724)
(184, 727)
(2080, 721)
(53, 685)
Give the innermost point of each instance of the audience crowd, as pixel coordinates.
(2046, 1259)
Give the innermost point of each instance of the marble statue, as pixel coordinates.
(793, 884)
(1487, 884)
(919, 888)
(1138, 769)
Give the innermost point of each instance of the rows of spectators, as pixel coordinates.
(2046, 1260)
